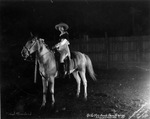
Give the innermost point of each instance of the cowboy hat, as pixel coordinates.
(62, 25)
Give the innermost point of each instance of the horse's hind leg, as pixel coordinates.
(51, 89)
(45, 85)
(76, 76)
(83, 77)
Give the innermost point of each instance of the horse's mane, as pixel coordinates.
(44, 43)
(46, 46)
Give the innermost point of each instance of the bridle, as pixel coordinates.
(28, 50)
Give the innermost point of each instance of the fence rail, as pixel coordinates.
(118, 52)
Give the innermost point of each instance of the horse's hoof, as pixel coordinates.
(63, 109)
(52, 105)
(77, 96)
(85, 99)
(57, 111)
(42, 106)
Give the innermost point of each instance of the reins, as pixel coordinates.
(35, 68)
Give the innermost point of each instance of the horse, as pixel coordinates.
(48, 66)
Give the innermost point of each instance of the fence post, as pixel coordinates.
(107, 50)
(140, 49)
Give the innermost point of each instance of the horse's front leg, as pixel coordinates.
(45, 85)
(51, 89)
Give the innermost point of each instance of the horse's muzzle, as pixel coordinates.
(23, 54)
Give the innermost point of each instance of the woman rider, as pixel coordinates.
(62, 46)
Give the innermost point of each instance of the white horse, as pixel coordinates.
(48, 69)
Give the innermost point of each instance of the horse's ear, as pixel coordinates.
(42, 40)
(31, 34)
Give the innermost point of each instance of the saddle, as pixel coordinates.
(62, 69)
(68, 64)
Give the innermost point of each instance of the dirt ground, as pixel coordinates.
(117, 94)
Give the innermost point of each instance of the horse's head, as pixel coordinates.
(30, 47)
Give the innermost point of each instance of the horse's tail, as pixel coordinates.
(90, 67)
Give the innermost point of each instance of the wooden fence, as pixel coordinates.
(115, 52)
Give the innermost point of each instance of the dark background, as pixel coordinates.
(94, 18)
(117, 18)
(85, 17)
